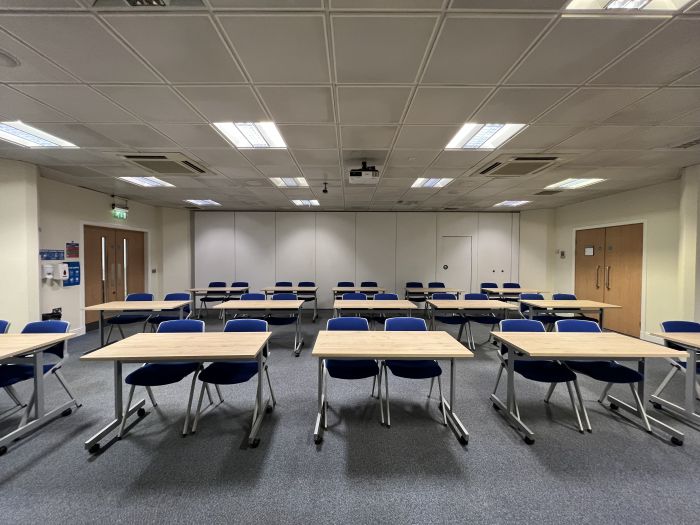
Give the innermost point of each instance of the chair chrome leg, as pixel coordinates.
(602, 397)
(430, 391)
(13, 395)
(666, 380)
(64, 384)
(325, 397)
(640, 408)
(378, 380)
(151, 396)
(549, 392)
(121, 331)
(442, 402)
(109, 334)
(498, 378)
(199, 409)
(574, 406)
(125, 413)
(583, 407)
(269, 385)
(374, 383)
(386, 394)
(211, 399)
(28, 410)
(185, 427)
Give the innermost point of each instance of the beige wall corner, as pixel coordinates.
(689, 233)
(177, 251)
(536, 249)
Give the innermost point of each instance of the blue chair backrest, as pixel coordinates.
(217, 284)
(4, 326)
(347, 323)
(180, 326)
(239, 284)
(284, 283)
(476, 297)
(246, 325)
(253, 297)
(345, 283)
(680, 326)
(140, 297)
(563, 297)
(354, 296)
(529, 297)
(489, 285)
(49, 327)
(442, 296)
(414, 284)
(386, 297)
(577, 325)
(405, 324)
(284, 297)
(307, 283)
(511, 285)
(178, 296)
(371, 284)
(521, 325)
(436, 284)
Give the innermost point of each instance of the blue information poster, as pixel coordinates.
(73, 274)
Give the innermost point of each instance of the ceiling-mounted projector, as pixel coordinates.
(364, 175)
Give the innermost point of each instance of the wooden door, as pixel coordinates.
(130, 256)
(623, 278)
(590, 264)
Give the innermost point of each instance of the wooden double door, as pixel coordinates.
(114, 265)
(609, 269)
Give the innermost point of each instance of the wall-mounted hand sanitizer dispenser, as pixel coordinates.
(61, 272)
(47, 271)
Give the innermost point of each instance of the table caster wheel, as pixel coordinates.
(318, 440)
(141, 412)
(676, 441)
(463, 441)
(613, 406)
(3, 450)
(496, 407)
(269, 409)
(657, 406)
(94, 449)
(67, 412)
(254, 443)
(528, 440)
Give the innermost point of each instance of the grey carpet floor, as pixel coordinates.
(414, 472)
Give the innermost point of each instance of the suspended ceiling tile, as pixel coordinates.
(371, 105)
(444, 105)
(370, 137)
(425, 137)
(519, 105)
(225, 103)
(299, 105)
(317, 157)
(592, 105)
(309, 136)
(17, 106)
(192, 135)
(134, 135)
(661, 106)
(152, 103)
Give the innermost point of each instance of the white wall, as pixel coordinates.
(327, 247)
(536, 248)
(177, 250)
(19, 237)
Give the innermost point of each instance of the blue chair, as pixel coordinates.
(234, 372)
(452, 319)
(415, 296)
(155, 320)
(350, 369)
(540, 371)
(164, 373)
(306, 297)
(12, 374)
(386, 297)
(4, 326)
(571, 297)
(284, 319)
(284, 283)
(370, 284)
(253, 296)
(546, 319)
(436, 284)
(510, 285)
(342, 284)
(123, 319)
(212, 297)
(354, 296)
(488, 318)
(609, 372)
(411, 368)
(678, 366)
(232, 296)
(487, 285)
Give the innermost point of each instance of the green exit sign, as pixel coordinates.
(120, 213)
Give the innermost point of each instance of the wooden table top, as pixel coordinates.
(202, 346)
(434, 290)
(513, 290)
(579, 304)
(207, 289)
(388, 345)
(570, 345)
(361, 289)
(12, 345)
(291, 289)
(691, 339)
(260, 305)
(462, 304)
(369, 304)
(122, 306)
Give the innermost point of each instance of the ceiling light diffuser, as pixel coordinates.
(484, 136)
(431, 182)
(147, 182)
(246, 135)
(573, 184)
(512, 204)
(645, 6)
(17, 132)
(627, 4)
(289, 182)
(305, 202)
(203, 202)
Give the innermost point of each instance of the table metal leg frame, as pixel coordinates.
(510, 410)
(686, 412)
(452, 420)
(92, 445)
(321, 414)
(261, 408)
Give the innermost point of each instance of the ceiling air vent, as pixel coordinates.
(517, 166)
(490, 168)
(548, 192)
(165, 163)
(687, 145)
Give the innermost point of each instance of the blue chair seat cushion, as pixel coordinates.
(547, 319)
(685, 365)
(157, 374)
(11, 374)
(281, 321)
(450, 319)
(208, 298)
(352, 368)
(414, 369)
(229, 373)
(127, 319)
(544, 371)
(606, 371)
(157, 319)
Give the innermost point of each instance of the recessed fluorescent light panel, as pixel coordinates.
(247, 135)
(289, 182)
(431, 183)
(573, 184)
(305, 202)
(203, 202)
(626, 5)
(147, 182)
(17, 132)
(511, 204)
(483, 136)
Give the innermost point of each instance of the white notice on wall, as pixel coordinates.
(588, 250)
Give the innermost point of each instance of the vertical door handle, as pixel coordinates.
(597, 276)
(607, 277)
